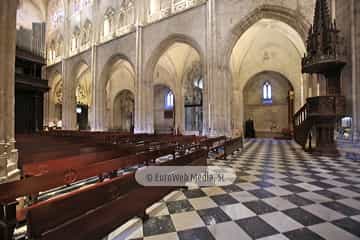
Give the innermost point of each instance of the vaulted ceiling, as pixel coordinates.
(30, 11)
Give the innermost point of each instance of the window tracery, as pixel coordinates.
(56, 14)
(86, 34)
(75, 40)
(108, 27)
(78, 5)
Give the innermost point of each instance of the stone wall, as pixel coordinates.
(268, 117)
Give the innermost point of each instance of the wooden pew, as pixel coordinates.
(214, 143)
(99, 210)
(75, 161)
(33, 185)
(232, 145)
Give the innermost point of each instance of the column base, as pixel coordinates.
(9, 169)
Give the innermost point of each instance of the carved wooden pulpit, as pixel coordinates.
(315, 122)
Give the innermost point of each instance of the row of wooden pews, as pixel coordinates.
(85, 181)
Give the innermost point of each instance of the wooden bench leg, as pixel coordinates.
(7, 220)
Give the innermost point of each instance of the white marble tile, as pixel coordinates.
(238, 211)
(212, 191)
(202, 203)
(308, 186)
(187, 220)
(228, 231)
(344, 192)
(278, 191)
(331, 232)
(304, 179)
(351, 203)
(279, 203)
(324, 213)
(248, 186)
(244, 196)
(317, 198)
(281, 222)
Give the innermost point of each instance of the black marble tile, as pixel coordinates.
(213, 216)
(303, 234)
(294, 189)
(256, 228)
(158, 225)
(330, 194)
(262, 193)
(291, 180)
(297, 200)
(346, 181)
(224, 199)
(321, 184)
(195, 193)
(179, 206)
(341, 208)
(348, 225)
(259, 207)
(353, 189)
(196, 234)
(302, 216)
(231, 188)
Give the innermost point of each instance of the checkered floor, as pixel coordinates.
(281, 193)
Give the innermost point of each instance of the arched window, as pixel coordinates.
(199, 83)
(169, 100)
(86, 33)
(130, 12)
(75, 39)
(51, 51)
(267, 93)
(108, 22)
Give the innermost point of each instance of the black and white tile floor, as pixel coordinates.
(281, 193)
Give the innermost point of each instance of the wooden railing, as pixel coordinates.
(320, 108)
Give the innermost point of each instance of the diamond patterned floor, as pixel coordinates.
(281, 193)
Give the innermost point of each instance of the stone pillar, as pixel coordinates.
(69, 98)
(209, 88)
(218, 95)
(8, 153)
(355, 58)
(144, 103)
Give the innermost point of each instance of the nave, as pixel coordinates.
(281, 193)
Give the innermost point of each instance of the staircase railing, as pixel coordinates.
(317, 109)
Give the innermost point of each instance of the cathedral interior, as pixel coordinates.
(180, 119)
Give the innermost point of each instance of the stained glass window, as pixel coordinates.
(169, 100)
(267, 93)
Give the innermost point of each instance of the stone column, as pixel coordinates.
(69, 98)
(8, 153)
(209, 91)
(143, 95)
(355, 58)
